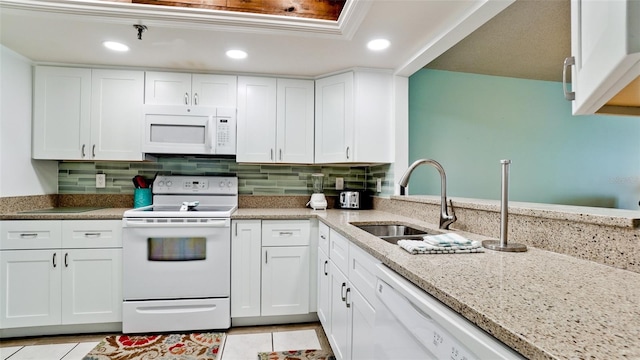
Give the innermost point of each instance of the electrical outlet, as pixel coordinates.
(101, 181)
(378, 185)
(339, 183)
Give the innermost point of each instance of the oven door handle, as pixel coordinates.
(142, 223)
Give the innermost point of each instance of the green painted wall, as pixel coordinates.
(470, 122)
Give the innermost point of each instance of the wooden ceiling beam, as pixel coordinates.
(317, 9)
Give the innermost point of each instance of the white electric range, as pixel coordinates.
(177, 256)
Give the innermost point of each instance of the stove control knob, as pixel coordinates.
(221, 183)
(161, 183)
(229, 184)
(169, 183)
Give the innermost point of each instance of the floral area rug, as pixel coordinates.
(296, 355)
(196, 346)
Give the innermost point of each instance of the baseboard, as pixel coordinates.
(273, 320)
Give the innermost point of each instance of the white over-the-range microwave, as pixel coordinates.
(195, 130)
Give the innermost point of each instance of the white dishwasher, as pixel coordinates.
(411, 324)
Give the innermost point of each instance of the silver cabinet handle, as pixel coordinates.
(92, 235)
(266, 257)
(66, 256)
(280, 154)
(186, 98)
(344, 297)
(28, 236)
(347, 153)
(270, 154)
(325, 267)
(323, 237)
(286, 233)
(195, 99)
(236, 228)
(83, 146)
(569, 95)
(93, 151)
(54, 260)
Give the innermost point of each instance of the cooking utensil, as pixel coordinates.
(140, 182)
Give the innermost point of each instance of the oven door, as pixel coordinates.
(171, 258)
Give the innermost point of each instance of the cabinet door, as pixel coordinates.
(334, 119)
(256, 137)
(116, 114)
(214, 90)
(91, 286)
(324, 291)
(285, 280)
(61, 113)
(167, 88)
(30, 287)
(338, 317)
(606, 47)
(362, 317)
(295, 125)
(245, 268)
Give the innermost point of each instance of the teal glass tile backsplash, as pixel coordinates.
(253, 179)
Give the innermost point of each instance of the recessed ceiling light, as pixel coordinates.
(115, 46)
(378, 44)
(236, 54)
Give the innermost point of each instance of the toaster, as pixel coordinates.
(354, 200)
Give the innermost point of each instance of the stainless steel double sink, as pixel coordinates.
(391, 233)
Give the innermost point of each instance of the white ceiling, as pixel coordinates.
(71, 32)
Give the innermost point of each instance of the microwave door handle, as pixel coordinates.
(211, 136)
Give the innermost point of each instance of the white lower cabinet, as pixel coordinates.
(270, 268)
(285, 280)
(45, 283)
(344, 300)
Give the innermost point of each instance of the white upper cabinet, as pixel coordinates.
(85, 114)
(606, 57)
(354, 121)
(294, 125)
(116, 101)
(168, 88)
(275, 120)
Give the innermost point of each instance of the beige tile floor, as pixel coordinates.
(241, 343)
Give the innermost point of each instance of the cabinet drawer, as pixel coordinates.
(286, 232)
(30, 234)
(323, 237)
(362, 267)
(91, 233)
(339, 251)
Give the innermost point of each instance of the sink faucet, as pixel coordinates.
(445, 218)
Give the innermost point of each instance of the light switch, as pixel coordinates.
(339, 183)
(378, 185)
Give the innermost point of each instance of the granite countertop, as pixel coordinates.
(542, 304)
(98, 214)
